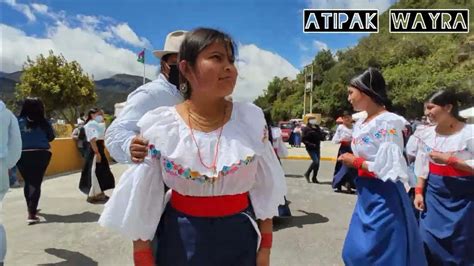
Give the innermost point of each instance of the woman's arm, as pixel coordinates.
(266, 230)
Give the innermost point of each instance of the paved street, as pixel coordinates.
(69, 234)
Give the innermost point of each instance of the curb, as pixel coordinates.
(305, 157)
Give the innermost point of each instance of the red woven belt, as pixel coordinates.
(215, 206)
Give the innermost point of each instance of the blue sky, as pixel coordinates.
(104, 36)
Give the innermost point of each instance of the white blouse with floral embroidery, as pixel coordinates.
(380, 143)
(246, 163)
(460, 144)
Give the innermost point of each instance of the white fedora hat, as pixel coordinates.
(172, 43)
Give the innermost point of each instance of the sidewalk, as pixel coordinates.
(328, 152)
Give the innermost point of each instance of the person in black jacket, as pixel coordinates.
(312, 137)
(36, 134)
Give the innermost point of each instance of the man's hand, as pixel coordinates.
(138, 149)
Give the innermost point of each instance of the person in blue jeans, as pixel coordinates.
(312, 137)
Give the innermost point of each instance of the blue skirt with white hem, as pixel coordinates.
(383, 229)
(186, 240)
(446, 225)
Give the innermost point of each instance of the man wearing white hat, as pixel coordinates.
(122, 138)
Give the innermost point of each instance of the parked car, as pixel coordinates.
(286, 129)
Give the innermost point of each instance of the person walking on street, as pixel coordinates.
(36, 134)
(214, 154)
(344, 175)
(312, 137)
(445, 191)
(383, 228)
(96, 176)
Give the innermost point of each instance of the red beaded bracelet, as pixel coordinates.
(358, 162)
(418, 191)
(266, 241)
(452, 161)
(143, 257)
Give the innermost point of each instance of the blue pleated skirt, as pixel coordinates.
(447, 224)
(383, 229)
(343, 173)
(184, 240)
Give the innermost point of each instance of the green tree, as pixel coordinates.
(62, 86)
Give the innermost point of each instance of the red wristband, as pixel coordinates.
(418, 191)
(358, 162)
(452, 161)
(143, 257)
(267, 239)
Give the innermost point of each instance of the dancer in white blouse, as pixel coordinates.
(216, 158)
(445, 190)
(344, 175)
(383, 229)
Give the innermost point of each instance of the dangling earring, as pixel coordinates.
(183, 88)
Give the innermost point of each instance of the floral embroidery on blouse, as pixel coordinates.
(153, 152)
(177, 170)
(378, 135)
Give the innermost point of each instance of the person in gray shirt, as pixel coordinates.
(122, 137)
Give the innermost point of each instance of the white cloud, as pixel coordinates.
(257, 67)
(124, 32)
(320, 45)
(91, 50)
(42, 9)
(22, 8)
(381, 5)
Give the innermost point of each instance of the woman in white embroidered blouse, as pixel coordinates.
(344, 175)
(383, 229)
(215, 157)
(445, 189)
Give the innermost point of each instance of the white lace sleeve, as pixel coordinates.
(336, 139)
(270, 186)
(422, 163)
(136, 205)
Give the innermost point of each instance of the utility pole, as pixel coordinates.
(311, 91)
(304, 92)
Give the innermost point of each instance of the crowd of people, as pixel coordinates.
(205, 177)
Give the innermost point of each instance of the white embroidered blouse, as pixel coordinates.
(459, 144)
(246, 163)
(380, 143)
(94, 130)
(343, 133)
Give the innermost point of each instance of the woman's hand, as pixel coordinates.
(263, 257)
(439, 157)
(419, 202)
(347, 159)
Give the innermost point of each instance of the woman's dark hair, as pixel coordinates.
(193, 44)
(92, 111)
(346, 113)
(372, 83)
(33, 110)
(443, 97)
